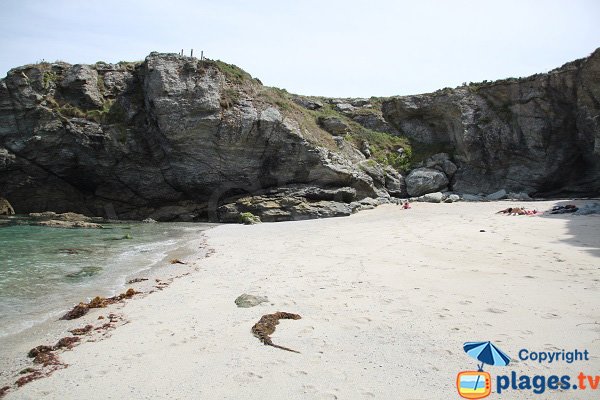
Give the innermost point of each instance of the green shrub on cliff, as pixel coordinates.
(247, 218)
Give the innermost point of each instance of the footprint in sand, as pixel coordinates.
(328, 396)
(362, 320)
(551, 316)
(495, 310)
(465, 302)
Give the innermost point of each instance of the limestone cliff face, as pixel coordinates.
(539, 134)
(176, 138)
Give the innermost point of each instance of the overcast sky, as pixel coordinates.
(331, 48)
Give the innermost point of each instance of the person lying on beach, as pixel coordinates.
(509, 210)
(405, 205)
(517, 211)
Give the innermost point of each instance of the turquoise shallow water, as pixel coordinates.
(44, 271)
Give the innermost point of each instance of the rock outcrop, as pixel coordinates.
(177, 138)
(539, 135)
(5, 207)
(171, 138)
(425, 180)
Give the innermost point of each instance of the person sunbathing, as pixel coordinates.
(513, 211)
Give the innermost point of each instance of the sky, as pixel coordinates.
(327, 47)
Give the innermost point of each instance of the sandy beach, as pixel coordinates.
(387, 299)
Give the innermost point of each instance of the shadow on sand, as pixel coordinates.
(584, 230)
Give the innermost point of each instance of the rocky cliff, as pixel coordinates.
(539, 134)
(177, 138)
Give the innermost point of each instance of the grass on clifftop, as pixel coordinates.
(233, 72)
(384, 146)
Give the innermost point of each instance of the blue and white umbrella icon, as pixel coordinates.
(487, 353)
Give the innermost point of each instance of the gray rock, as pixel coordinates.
(394, 183)
(5, 207)
(472, 197)
(334, 125)
(374, 170)
(360, 102)
(369, 202)
(441, 162)
(344, 107)
(452, 198)
(425, 180)
(51, 223)
(436, 197)
(149, 221)
(365, 148)
(518, 196)
(67, 217)
(80, 86)
(249, 300)
(533, 134)
(499, 195)
(291, 203)
(307, 103)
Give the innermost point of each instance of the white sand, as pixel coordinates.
(387, 299)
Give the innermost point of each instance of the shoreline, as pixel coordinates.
(49, 330)
(388, 294)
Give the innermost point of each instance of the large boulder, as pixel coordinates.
(334, 125)
(421, 181)
(80, 86)
(5, 207)
(498, 195)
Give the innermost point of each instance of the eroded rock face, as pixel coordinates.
(5, 207)
(292, 203)
(176, 138)
(80, 86)
(171, 138)
(334, 125)
(537, 135)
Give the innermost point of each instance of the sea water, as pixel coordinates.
(45, 271)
